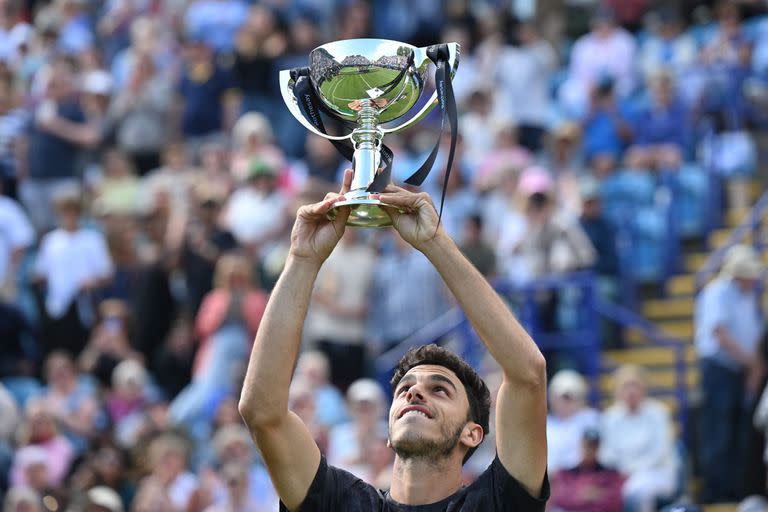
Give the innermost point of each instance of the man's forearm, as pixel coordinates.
(730, 345)
(500, 331)
(264, 396)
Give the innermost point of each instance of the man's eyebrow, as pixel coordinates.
(407, 379)
(442, 378)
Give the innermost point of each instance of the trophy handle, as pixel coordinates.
(453, 60)
(286, 88)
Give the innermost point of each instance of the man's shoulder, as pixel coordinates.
(337, 489)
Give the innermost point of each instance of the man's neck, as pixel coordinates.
(421, 482)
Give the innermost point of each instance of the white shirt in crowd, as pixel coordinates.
(16, 233)
(251, 215)
(564, 436)
(722, 304)
(593, 59)
(642, 441)
(524, 72)
(67, 260)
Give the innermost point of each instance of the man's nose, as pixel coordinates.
(414, 392)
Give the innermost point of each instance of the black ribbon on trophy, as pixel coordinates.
(311, 107)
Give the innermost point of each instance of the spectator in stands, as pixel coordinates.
(602, 234)
(727, 60)
(314, 368)
(209, 104)
(637, 440)
(169, 187)
(337, 319)
(569, 418)
(75, 31)
(588, 486)
(73, 263)
(606, 53)
(258, 45)
(13, 121)
(562, 156)
(56, 137)
(242, 473)
(172, 362)
(606, 127)
(523, 70)
(351, 444)
(167, 457)
(475, 246)
(756, 463)
(301, 400)
(110, 342)
(72, 397)
(253, 139)
(216, 21)
(396, 312)
(728, 328)
(660, 129)
(141, 114)
(256, 212)
(9, 422)
(668, 49)
(117, 194)
(41, 443)
(22, 499)
(226, 324)
(130, 382)
(14, 31)
(18, 236)
(548, 242)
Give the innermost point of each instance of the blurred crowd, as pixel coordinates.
(149, 174)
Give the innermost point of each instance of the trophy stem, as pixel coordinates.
(367, 157)
(366, 161)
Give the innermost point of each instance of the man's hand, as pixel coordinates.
(413, 216)
(314, 236)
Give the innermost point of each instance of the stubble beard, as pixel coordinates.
(414, 445)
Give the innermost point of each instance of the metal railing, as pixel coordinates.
(751, 225)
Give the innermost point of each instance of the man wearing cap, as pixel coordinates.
(441, 407)
(728, 328)
(255, 211)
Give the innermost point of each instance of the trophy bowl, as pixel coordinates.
(367, 82)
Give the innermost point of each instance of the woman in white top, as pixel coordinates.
(569, 417)
(637, 440)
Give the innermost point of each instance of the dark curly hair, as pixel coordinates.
(477, 392)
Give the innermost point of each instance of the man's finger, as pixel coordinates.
(321, 208)
(347, 182)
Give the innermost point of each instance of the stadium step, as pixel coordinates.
(662, 309)
(681, 285)
(695, 261)
(647, 356)
(679, 330)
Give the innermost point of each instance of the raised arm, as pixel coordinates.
(521, 408)
(290, 453)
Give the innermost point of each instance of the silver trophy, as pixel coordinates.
(368, 82)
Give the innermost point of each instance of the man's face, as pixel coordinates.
(429, 413)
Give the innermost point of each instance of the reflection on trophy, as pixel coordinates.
(370, 83)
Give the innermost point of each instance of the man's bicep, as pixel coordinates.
(521, 434)
(291, 456)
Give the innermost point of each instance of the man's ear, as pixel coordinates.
(472, 435)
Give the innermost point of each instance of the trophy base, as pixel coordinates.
(367, 213)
